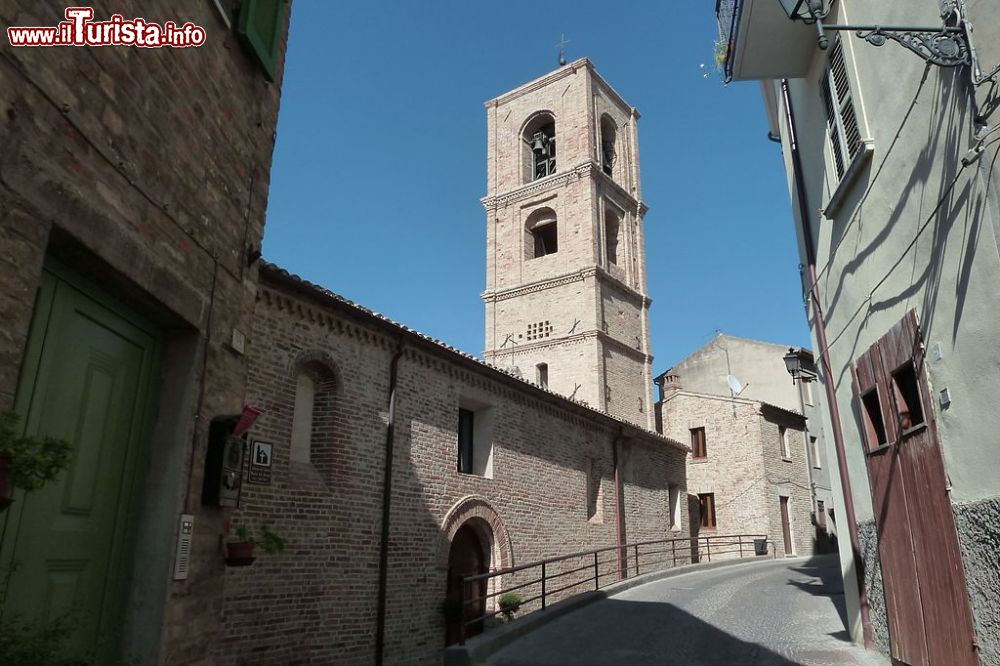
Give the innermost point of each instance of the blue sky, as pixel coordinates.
(381, 161)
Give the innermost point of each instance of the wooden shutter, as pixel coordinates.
(261, 24)
(842, 121)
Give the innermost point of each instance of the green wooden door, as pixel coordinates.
(87, 378)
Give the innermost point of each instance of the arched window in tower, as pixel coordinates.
(609, 135)
(542, 236)
(539, 139)
(612, 231)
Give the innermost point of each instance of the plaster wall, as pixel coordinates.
(916, 230)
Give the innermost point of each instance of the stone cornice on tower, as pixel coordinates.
(561, 73)
(597, 272)
(583, 170)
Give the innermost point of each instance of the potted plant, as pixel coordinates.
(27, 462)
(510, 603)
(240, 551)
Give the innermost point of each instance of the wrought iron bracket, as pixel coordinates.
(944, 46)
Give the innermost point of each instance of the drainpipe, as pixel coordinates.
(619, 503)
(824, 358)
(383, 554)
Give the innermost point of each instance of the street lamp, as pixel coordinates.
(796, 368)
(946, 45)
(807, 11)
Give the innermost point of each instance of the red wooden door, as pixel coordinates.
(466, 558)
(930, 621)
(786, 526)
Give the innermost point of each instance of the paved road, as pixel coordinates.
(773, 613)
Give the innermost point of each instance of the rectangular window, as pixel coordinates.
(786, 448)
(698, 446)
(594, 495)
(706, 508)
(907, 394)
(872, 415)
(821, 514)
(542, 375)
(814, 444)
(842, 122)
(675, 506)
(466, 444)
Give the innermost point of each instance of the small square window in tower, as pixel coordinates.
(542, 375)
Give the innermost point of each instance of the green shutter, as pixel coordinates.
(261, 23)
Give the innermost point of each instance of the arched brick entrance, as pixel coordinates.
(475, 540)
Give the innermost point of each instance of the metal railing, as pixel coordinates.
(592, 568)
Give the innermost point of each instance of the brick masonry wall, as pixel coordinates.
(146, 170)
(733, 469)
(330, 514)
(788, 477)
(577, 289)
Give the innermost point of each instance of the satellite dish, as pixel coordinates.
(735, 385)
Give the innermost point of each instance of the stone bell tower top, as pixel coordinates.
(566, 302)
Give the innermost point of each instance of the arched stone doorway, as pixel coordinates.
(468, 556)
(472, 528)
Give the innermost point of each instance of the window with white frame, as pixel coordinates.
(843, 130)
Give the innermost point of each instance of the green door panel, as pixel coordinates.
(87, 378)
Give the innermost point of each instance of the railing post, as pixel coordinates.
(741, 546)
(673, 551)
(708, 548)
(543, 585)
(461, 612)
(636, 559)
(597, 573)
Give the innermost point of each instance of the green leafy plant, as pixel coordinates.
(721, 53)
(510, 603)
(270, 541)
(34, 461)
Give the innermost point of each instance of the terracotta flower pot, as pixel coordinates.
(239, 553)
(6, 489)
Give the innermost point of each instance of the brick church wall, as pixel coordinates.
(322, 589)
(146, 171)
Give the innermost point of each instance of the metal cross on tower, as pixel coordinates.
(562, 49)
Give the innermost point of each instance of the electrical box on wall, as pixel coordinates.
(223, 463)
(182, 558)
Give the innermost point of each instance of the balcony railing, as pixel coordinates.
(543, 582)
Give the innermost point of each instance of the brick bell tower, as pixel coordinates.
(566, 302)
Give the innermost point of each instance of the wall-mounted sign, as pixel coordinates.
(261, 454)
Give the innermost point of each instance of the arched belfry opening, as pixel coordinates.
(539, 147)
(609, 139)
(541, 234)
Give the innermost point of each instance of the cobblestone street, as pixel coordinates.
(774, 613)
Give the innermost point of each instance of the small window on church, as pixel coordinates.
(302, 419)
(608, 138)
(542, 237)
(539, 145)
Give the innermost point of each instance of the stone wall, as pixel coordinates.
(145, 170)
(979, 537)
(322, 589)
